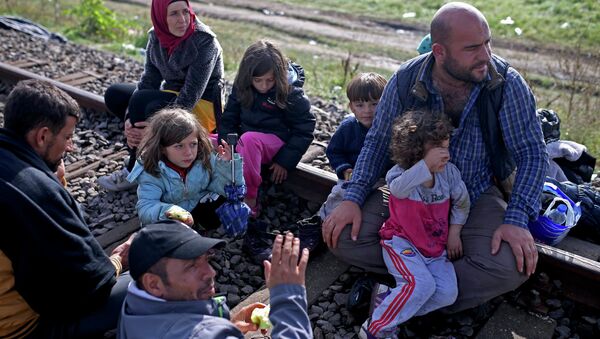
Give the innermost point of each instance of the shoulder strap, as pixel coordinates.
(412, 93)
(489, 104)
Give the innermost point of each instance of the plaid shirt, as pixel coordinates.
(520, 129)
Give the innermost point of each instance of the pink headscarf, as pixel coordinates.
(161, 29)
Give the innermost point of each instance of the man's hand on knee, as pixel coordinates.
(522, 245)
(347, 212)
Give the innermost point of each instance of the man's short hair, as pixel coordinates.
(160, 269)
(35, 103)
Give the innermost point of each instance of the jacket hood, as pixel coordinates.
(18, 146)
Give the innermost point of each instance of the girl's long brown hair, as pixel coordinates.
(412, 131)
(261, 57)
(167, 127)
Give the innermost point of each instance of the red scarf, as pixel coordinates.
(161, 29)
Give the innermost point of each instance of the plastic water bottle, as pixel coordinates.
(559, 215)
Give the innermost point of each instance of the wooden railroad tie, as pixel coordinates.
(79, 78)
(81, 167)
(28, 63)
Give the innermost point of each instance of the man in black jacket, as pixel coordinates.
(55, 280)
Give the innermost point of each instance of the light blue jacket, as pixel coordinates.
(157, 194)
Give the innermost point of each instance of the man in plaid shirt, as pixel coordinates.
(499, 251)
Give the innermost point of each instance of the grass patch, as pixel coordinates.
(562, 22)
(326, 76)
(127, 25)
(577, 110)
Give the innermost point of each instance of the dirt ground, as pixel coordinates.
(308, 23)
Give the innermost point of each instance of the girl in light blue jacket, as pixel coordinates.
(178, 172)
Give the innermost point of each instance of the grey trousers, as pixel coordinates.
(481, 276)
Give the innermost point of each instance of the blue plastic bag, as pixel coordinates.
(546, 231)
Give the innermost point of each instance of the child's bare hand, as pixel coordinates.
(279, 173)
(436, 158)
(454, 246)
(224, 151)
(178, 213)
(348, 174)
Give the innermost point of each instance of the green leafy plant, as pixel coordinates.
(96, 22)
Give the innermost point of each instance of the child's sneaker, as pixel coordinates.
(310, 233)
(257, 242)
(116, 181)
(365, 334)
(359, 297)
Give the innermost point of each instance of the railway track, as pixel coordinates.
(575, 261)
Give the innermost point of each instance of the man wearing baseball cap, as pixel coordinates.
(172, 295)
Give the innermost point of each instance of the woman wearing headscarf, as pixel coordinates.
(184, 67)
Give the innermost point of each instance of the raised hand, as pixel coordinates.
(224, 151)
(284, 267)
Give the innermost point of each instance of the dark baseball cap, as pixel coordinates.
(166, 239)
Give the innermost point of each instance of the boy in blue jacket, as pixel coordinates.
(363, 91)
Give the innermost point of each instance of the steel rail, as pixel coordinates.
(84, 98)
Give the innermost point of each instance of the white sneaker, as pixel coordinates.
(365, 334)
(117, 181)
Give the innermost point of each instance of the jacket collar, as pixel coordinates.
(144, 304)
(420, 91)
(21, 149)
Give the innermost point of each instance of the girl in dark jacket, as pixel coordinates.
(269, 110)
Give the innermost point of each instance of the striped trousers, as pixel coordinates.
(422, 285)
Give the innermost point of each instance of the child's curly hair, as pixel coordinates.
(413, 130)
